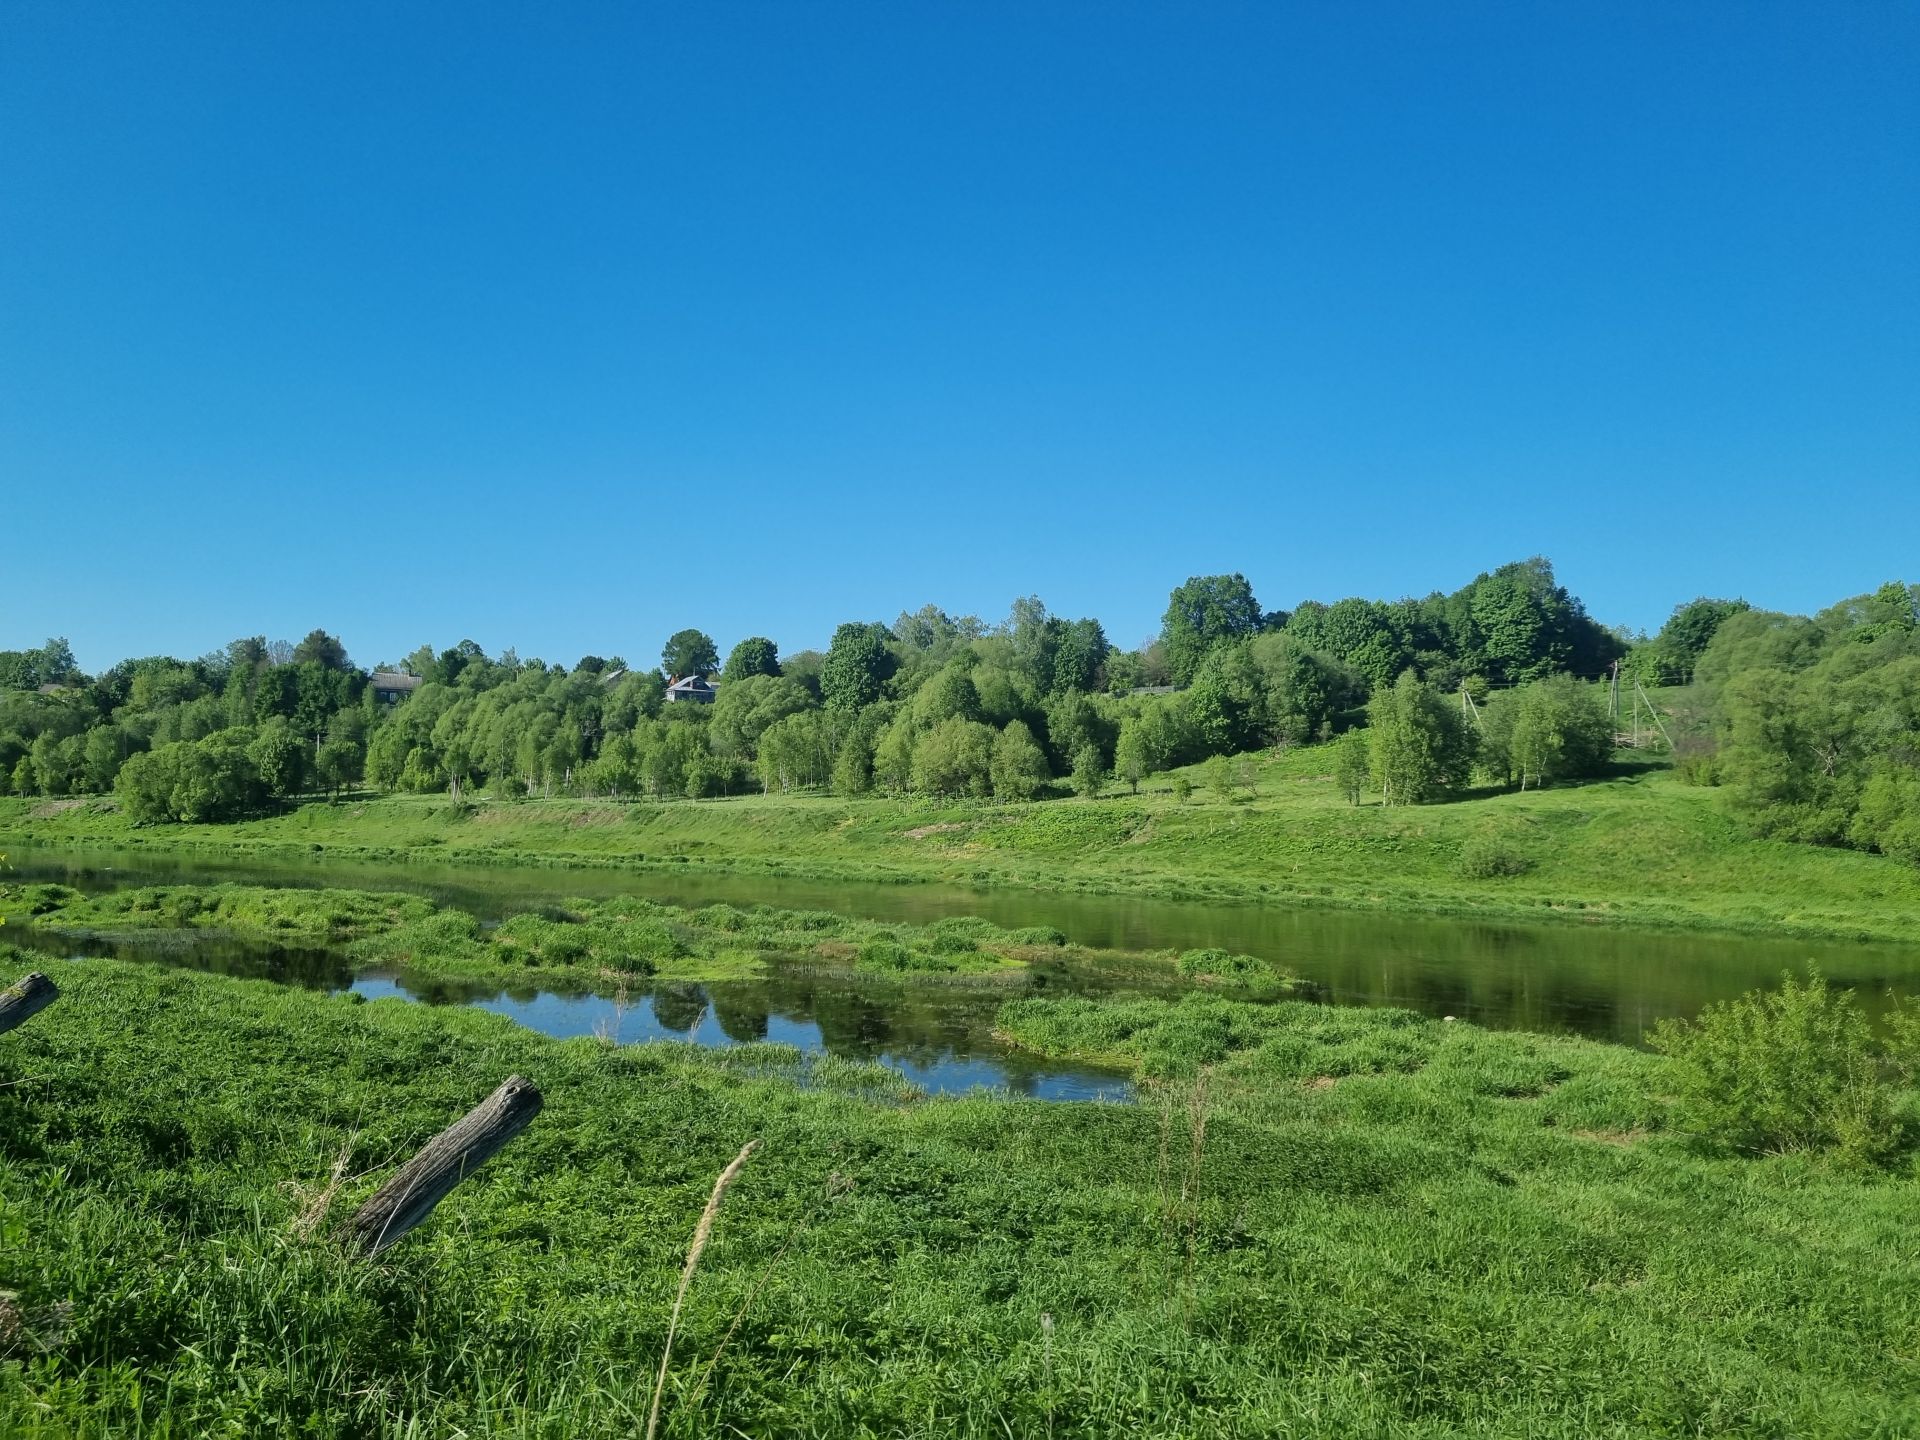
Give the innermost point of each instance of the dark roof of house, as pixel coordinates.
(395, 680)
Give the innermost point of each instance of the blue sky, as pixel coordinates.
(563, 327)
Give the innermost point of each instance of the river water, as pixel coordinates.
(1609, 982)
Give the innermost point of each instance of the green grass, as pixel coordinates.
(1640, 848)
(1327, 1223)
(599, 944)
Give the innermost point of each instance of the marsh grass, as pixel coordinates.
(1469, 1233)
(608, 946)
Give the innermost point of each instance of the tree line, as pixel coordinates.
(1800, 718)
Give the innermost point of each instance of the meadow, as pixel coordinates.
(1314, 1222)
(1640, 847)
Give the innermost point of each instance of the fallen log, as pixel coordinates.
(24, 999)
(447, 1159)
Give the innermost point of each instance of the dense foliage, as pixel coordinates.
(1811, 723)
(1798, 1068)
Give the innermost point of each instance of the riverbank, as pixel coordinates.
(1640, 849)
(1347, 1223)
(603, 946)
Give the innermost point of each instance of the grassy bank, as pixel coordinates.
(1343, 1223)
(1640, 848)
(598, 944)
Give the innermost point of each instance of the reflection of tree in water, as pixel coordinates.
(190, 949)
(442, 990)
(678, 1004)
(741, 1011)
(922, 1024)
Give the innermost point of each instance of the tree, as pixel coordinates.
(1089, 772)
(280, 758)
(1033, 637)
(1684, 638)
(1350, 763)
(1130, 759)
(852, 767)
(336, 765)
(321, 649)
(188, 781)
(1219, 777)
(1364, 635)
(51, 664)
(954, 758)
(1019, 766)
(858, 665)
(756, 655)
(1560, 731)
(1202, 613)
(893, 755)
(689, 652)
(1225, 702)
(745, 708)
(106, 750)
(948, 693)
(1420, 745)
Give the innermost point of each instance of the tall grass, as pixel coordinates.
(1364, 1224)
(702, 1232)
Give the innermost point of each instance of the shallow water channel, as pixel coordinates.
(1610, 982)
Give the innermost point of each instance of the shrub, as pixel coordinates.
(892, 955)
(1223, 965)
(1794, 1069)
(1487, 857)
(1037, 935)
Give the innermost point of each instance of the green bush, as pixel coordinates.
(1037, 935)
(1797, 1069)
(1488, 857)
(1223, 965)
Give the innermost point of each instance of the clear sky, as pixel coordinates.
(564, 326)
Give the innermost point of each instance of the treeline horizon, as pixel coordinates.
(940, 705)
(1371, 632)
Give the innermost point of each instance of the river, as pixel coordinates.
(1609, 982)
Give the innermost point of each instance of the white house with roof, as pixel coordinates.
(694, 688)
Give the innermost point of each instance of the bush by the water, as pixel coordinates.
(1798, 1068)
(1224, 965)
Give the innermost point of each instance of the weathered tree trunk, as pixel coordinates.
(447, 1159)
(24, 999)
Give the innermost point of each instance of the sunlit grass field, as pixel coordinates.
(1314, 1222)
(1640, 847)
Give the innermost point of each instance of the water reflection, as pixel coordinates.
(1597, 980)
(939, 1037)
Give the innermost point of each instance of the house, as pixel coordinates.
(390, 687)
(696, 688)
